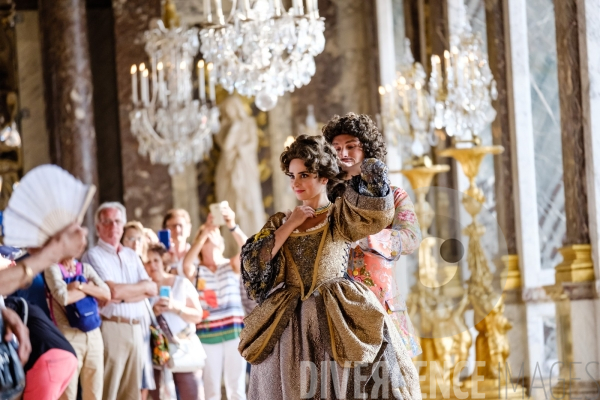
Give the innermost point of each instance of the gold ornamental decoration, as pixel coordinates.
(491, 345)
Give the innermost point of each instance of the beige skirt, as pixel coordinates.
(301, 365)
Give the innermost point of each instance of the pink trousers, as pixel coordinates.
(50, 375)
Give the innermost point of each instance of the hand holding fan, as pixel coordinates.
(46, 201)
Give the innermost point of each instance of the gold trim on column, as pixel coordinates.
(577, 265)
(513, 274)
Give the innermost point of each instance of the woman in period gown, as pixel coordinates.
(315, 333)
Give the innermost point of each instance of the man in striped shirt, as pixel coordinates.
(123, 272)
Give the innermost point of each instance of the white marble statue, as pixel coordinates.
(237, 177)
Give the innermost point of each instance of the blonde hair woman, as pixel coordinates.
(134, 238)
(177, 221)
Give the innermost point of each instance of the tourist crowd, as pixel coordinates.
(90, 325)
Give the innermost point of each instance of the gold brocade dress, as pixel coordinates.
(316, 333)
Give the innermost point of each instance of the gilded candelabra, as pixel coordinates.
(426, 295)
(420, 178)
(491, 345)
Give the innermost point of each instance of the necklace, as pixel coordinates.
(324, 209)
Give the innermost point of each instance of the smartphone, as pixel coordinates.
(164, 236)
(216, 209)
(165, 291)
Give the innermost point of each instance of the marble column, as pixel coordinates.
(10, 156)
(437, 29)
(148, 190)
(68, 89)
(577, 340)
(34, 132)
(576, 293)
(503, 171)
(347, 76)
(577, 265)
(589, 42)
(385, 42)
(501, 126)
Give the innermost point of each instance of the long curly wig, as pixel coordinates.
(361, 127)
(318, 155)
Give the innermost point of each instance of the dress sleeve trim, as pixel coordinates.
(369, 203)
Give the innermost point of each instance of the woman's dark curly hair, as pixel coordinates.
(361, 127)
(319, 156)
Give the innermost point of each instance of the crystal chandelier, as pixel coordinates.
(172, 123)
(464, 94)
(408, 108)
(261, 50)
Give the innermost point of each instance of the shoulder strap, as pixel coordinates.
(25, 310)
(63, 271)
(152, 316)
(49, 298)
(197, 276)
(79, 268)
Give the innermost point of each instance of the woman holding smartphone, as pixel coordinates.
(217, 280)
(178, 222)
(179, 306)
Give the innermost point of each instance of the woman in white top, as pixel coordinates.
(179, 223)
(182, 311)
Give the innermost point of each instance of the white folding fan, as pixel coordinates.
(46, 201)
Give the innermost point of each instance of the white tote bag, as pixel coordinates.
(187, 355)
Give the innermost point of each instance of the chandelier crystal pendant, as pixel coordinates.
(261, 50)
(464, 94)
(173, 124)
(408, 108)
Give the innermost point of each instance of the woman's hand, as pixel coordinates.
(299, 215)
(175, 306)
(206, 233)
(14, 325)
(74, 285)
(228, 216)
(161, 306)
(68, 243)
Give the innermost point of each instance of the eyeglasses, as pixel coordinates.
(108, 222)
(172, 227)
(133, 239)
